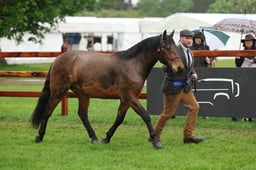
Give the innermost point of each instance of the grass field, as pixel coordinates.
(228, 144)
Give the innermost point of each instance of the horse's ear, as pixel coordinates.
(172, 33)
(163, 36)
(162, 40)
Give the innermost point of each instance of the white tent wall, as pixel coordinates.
(51, 42)
(125, 31)
(127, 40)
(122, 41)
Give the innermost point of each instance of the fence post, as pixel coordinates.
(64, 102)
(64, 106)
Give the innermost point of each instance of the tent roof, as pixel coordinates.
(103, 25)
(176, 21)
(179, 21)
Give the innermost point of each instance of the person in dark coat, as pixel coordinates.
(249, 43)
(199, 44)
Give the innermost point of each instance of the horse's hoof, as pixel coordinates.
(94, 141)
(38, 139)
(155, 142)
(105, 141)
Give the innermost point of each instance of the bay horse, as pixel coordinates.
(98, 75)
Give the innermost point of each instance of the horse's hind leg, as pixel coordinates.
(51, 106)
(83, 114)
(119, 119)
(53, 102)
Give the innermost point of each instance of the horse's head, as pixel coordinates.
(169, 52)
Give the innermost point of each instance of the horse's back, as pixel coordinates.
(88, 71)
(69, 59)
(70, 56)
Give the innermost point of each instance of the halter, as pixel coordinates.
(168, 49)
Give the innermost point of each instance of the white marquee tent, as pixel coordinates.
(126, 31)
(193, 21)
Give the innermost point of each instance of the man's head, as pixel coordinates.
(186, 37)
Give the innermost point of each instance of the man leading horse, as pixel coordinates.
(177, 89)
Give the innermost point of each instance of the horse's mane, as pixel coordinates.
(151, 43)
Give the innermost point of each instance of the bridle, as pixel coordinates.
(167, 49)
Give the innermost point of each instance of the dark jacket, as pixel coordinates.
(200, 61)
(239, 61)
(168, 85)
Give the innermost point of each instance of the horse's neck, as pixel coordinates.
(147, 63)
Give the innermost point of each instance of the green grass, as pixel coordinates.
(228, 144)
(225, 63)
(25, 67)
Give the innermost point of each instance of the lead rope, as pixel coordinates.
(194, 85)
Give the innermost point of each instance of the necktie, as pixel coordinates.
(188, 58)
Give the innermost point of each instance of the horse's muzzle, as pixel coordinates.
(179, 70)
(176, 69)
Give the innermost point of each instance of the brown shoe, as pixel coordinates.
(193, 139)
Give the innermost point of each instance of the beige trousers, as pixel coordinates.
(171, 102)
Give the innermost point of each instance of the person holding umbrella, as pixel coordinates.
(199, 44)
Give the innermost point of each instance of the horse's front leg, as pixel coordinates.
(83, 114)
(119, 119)
(139, 109)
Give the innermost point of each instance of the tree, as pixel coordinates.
(150, 8)
(115, 4)
(36, 16)
(233, 6)
(162, 8)
(201, 5)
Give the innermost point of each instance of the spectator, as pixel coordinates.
(248, 44)
(249, 61)
(199, 44)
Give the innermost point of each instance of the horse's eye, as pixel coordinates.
(168, 48)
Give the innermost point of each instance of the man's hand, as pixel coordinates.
(208, 60)
(194, 76)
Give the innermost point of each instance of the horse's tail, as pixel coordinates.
(42, 103)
